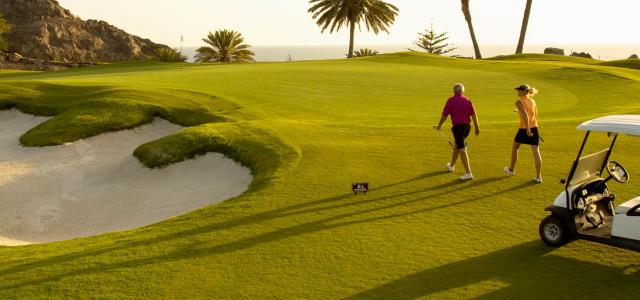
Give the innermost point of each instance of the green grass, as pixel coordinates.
(84, 111)
(309, 129)
(623, 63)
(546, 57)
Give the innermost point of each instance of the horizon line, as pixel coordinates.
(373, 44)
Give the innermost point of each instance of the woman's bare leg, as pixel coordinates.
(538, 158)
(514, 155)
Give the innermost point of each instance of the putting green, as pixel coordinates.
(307, 130)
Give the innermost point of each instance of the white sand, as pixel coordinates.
(95, 186)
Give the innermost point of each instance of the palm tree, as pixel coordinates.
(4, 28)
(467, 16)
(365, 52)
(377, 15)
(226, 46)
(525, 23)
(168, 55)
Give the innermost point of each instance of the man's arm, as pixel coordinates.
(476, 123)
(474, 117)
(442, 120)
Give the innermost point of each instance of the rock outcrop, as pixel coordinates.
(15, 61)
(581, 54)
(42, 29)
(633, 56)
(556, 51)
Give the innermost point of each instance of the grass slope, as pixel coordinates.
(546, 57)
(623, 63)
(307, 130)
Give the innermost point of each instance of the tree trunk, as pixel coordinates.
(467, 16)
(523, 31)
(352, 35)
(476, 47)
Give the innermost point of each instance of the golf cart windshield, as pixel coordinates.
(589, 167)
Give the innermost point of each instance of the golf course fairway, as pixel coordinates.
(307, 130)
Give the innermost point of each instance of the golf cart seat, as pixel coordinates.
(625, 207)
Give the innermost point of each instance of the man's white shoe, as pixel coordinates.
(538, 180)
(509, 171)
(450, 167)
(466, 177)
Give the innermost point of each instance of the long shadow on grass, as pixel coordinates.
(247, 220)
(194, 251)
(277, 213)
(524, 271)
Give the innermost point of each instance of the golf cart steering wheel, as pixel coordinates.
(617, 172)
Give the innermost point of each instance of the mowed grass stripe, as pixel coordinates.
(308, 130)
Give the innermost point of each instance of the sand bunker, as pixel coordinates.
(95, 186)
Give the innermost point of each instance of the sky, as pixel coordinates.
(287, 22)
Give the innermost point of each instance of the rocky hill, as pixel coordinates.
(42, 29)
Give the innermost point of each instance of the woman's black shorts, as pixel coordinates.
(460, 133)
(523, 138)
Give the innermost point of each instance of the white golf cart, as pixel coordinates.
(586, 209)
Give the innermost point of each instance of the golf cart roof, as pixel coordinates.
(627, 124)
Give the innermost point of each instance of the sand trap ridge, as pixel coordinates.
(95, 186)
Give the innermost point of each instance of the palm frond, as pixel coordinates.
(365, 52)
(224, 46)
(168, 55)
(376, 15)
(333, 15)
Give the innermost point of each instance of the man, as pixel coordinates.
(462, 112)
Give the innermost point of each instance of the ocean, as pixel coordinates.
(301, 53)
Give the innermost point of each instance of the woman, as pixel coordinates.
(528, 132)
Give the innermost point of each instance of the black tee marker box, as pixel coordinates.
(360, 187)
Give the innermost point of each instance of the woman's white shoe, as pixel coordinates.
(466, 177)
(509, 171)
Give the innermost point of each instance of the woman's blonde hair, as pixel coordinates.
(533, 91)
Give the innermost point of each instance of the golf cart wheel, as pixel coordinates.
(553, 231)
